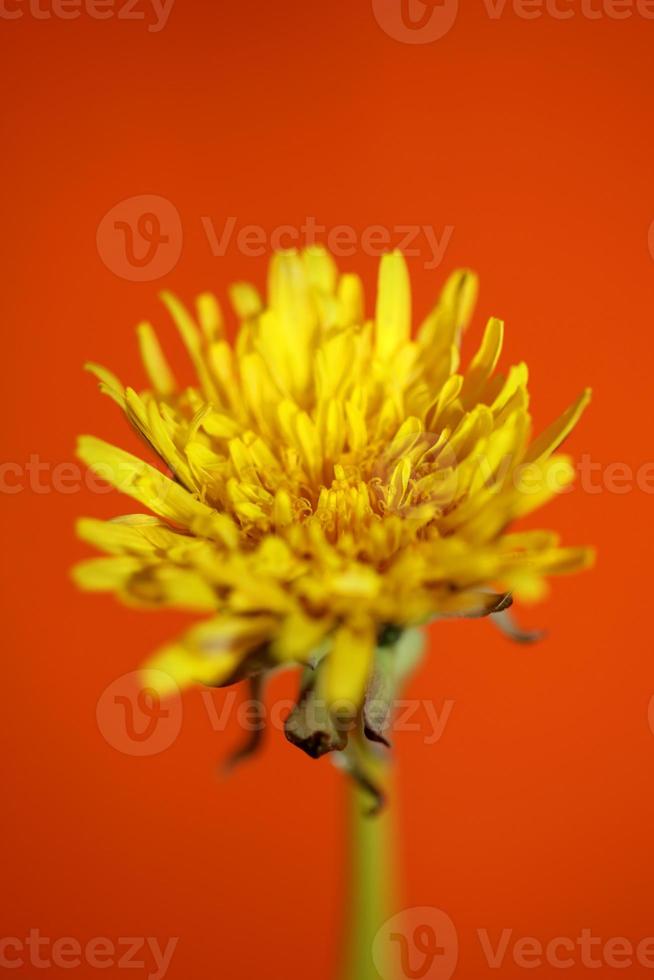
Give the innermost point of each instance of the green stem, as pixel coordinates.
(372, 874)
(372, 896)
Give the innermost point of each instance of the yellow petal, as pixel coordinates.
(109, 383)
(106, 574)
(176, 667)
(452, 313)
(120, 536)
(350, 300)
(483, 363)
(320, 268)
(210, 316)
(146, 484)
(393, 313)
(192, 340)
(348, 665)
(245, 299)
(299, 636)
(210, 652)
(156, 365)
(553, 436)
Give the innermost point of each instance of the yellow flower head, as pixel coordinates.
(328, 482)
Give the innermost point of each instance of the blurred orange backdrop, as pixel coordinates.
(526, 145)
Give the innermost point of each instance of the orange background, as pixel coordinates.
(533, 140)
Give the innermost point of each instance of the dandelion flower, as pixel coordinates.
(330, 483)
